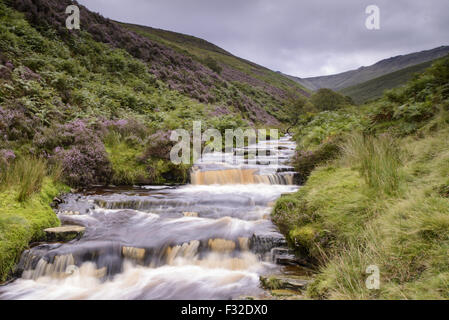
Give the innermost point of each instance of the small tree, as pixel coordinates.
(326, 99)
(295, 108)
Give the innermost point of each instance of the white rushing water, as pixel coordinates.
(198, 241)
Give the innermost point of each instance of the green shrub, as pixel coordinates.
(306, 161)
(322, 127)
(326, 99)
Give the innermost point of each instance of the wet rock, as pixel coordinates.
(283, 294)
(221, 245)
(286, 257)
(264, 242)
(64, 233)
(70, 213)
(243, 244)
(285, 169)
(287, 260)
(57, 200)
(283, 256)
(281, 282)
(133, 253)
(191, 214)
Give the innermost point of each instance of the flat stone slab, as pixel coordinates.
(281, 282)
(64, 233)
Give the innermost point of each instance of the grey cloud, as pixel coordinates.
(302, 38)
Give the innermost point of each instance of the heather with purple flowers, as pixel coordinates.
(7, 156)
(84, 165)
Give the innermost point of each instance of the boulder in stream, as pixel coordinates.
(264, 242)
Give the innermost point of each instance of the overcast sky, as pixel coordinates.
(298, 37)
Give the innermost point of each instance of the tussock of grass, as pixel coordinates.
(25, 175)
(377, 158)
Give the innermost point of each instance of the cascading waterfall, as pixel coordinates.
(210, 239)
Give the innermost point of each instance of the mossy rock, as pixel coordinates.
(303, 236)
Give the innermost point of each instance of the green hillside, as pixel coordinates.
(374, 88)
(234, 69)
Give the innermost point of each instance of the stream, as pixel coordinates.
(211, 239)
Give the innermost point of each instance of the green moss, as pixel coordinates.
(303, 236)
(23, 222)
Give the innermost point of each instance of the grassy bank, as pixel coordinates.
(382, 199)
(26, 191)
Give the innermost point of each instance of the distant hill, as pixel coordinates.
(374, 88)
(363, 74)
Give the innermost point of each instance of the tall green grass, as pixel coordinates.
(25, 176)
(377, 158)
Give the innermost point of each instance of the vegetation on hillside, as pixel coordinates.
(266, 88)
(375, 88)
(376, 194)
(326, 99)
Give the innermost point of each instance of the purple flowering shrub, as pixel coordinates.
(64, 135)
(84, 165)
(158, 146)
(6, 158)
(79, 150)
(16, 125)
